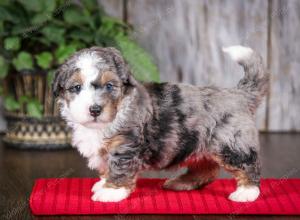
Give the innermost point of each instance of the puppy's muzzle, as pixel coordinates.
(95, 110)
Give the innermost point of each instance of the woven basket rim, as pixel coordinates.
(36, 145)
(15, 117)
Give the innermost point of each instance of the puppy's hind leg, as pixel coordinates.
(246, 170)
(198, 175)
(247, 189)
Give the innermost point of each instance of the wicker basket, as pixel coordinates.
(24, 131)
(28, 133)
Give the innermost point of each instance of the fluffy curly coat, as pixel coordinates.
(124, 126)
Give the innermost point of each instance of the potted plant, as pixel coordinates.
(35, 38)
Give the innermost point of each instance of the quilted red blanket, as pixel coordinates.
(71, 196)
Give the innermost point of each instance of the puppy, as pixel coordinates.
(123, 126)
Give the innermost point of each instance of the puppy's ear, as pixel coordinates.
(132, 81)
(57, 87)
(120, 64)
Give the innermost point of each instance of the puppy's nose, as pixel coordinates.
(95, 110)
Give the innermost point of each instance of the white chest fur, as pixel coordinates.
(89, 141)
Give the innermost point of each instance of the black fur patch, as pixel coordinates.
(188, 143)
(238, 158)
(208, 132)
(180, 117)
(188, 140)
(225, 118)
(176, 97)
(237, 134)
(206, 106)
(158, 89)
(166, 98)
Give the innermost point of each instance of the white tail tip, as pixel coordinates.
(238, 53)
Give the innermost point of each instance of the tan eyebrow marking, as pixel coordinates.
(108, 76)
(75, 78)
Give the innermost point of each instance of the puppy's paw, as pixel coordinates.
(98, 185)
(245, 194)
(110, 194)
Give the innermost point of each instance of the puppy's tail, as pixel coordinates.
(256, 79)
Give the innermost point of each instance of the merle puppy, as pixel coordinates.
(123, 126)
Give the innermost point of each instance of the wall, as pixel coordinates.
(186, 37)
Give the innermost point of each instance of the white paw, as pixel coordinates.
(245, 194)
(98, 185)
(110, 194)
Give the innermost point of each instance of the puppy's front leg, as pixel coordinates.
(109, 192)
(120, 178)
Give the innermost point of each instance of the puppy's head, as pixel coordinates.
(91, 84)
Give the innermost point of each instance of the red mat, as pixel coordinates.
(71, 196)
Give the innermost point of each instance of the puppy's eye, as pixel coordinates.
(75, 89)
(109, 87)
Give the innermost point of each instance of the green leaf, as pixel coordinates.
(90, 5)
(39, 6)
(54, 33)
(44, 59)
(40, 18)
(140, 61)
(2, 29)
(44, 41)
(104, 40)
(11, 104)
(23, 61)
(19, 29)
(23, 99)
(34, 108)
(14, 13)
(81, 35)
(32, 5)
(4, 66)
(78, 44)
(73, 15)
(112, 26)
(6, 14)
(49, 5)
(63, 52)
(4, 2)
(12, 43)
